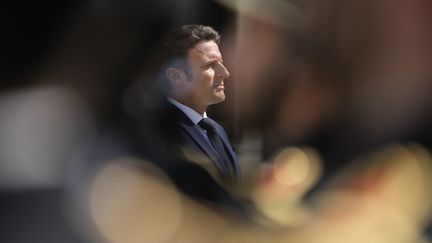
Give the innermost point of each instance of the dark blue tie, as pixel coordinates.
(218, 146)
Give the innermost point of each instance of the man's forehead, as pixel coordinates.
(206, 50)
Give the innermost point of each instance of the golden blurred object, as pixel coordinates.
(382, 199)
(278, 195)
(132, 201)
(129, 205)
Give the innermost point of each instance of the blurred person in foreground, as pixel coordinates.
(346, 93)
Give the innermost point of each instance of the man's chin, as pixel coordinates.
(219, 97)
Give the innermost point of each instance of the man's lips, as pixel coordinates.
(219, 86)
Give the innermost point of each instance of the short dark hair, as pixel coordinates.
(180, 40)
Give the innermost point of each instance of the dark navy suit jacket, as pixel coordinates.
(193, 137)
(156, 136)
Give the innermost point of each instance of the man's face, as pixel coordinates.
(206, 84)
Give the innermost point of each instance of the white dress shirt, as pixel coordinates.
(189, 112)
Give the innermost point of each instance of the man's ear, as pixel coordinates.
(176, 76)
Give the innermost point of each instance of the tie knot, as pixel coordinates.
(206, 124)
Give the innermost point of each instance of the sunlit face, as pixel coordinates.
(206, 80)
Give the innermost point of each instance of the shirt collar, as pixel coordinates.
(194, 116)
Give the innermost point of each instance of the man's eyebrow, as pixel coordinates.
(213, 60)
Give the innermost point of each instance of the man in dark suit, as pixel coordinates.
(195, 79)
(171, 130)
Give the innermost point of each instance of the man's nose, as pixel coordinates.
(223, 71)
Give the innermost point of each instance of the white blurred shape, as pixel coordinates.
(39, 129)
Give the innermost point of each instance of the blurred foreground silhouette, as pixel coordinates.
(327, 102)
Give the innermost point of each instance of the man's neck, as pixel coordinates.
(200, 109)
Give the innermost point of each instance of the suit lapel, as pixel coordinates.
(228, 147)
(194, 132)
(232, 155)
